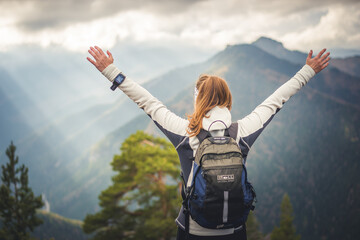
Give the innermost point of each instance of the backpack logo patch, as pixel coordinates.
(226, 178)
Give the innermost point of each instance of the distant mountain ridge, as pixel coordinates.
(59, 228)
(277, 49)
(340, 80)
(349, 65)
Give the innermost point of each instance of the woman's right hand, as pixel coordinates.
(101, 60)
(319, 62)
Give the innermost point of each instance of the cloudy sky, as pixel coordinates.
(206, 24)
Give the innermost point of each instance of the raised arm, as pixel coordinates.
(173, 126)
(253, 124)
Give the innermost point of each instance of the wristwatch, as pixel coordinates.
(117, 81)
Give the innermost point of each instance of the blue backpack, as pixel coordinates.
(218, 194)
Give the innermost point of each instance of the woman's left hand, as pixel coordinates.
(319, 62)
(101, 60)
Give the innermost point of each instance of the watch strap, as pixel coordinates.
(117, 81)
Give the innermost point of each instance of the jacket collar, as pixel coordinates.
(218, 118)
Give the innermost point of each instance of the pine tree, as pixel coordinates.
(143, 200)
(17, 201)
(286, 230)
(252, 228)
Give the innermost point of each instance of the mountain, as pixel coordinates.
(309, 151)
(349, 65)
(59, 228)
(345, 52)
(340, 80)
(19, 116)
(11, 116)
(277, 49)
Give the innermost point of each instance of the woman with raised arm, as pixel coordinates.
(213, 103)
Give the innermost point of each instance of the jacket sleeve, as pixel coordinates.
(250, 127)
(173, 126)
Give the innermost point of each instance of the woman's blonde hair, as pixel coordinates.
(212, 91)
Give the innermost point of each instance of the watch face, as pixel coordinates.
(117, 81)
(119, 78)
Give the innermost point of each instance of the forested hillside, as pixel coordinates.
(58, 228)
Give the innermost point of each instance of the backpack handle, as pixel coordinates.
(215, 122)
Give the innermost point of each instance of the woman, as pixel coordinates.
(212, 112)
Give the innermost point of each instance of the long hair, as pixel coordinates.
(212, 91)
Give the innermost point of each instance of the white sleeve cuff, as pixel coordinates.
(309, 72)
(110, 72)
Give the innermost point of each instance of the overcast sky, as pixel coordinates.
(207, 24)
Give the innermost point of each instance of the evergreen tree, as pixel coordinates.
(17, 201)
(252, 228)
(143, 200)
(286, 230)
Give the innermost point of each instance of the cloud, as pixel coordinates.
(33, 15)
(286, 7)
(206, 24)
(339, 27)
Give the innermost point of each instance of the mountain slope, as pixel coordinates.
(277, 49)
(59, 228)
(340, 80)
(348, 65)
(50, 170)
(16, 111)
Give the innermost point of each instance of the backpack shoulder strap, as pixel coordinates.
(202, 135)
(233, 129)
